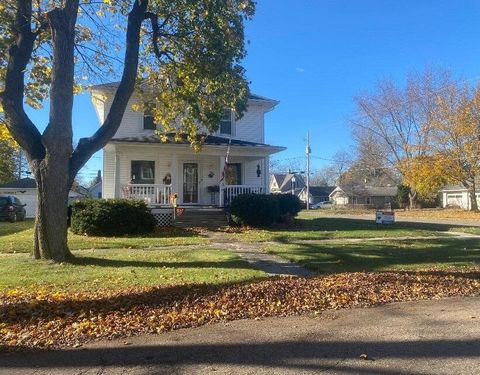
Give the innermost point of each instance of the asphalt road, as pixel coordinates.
(428, 337)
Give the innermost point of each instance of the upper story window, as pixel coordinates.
(226, 122)
(148, 119)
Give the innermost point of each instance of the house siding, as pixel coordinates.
(108, 184)
(248, 128)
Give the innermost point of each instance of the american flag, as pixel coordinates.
(225, 168)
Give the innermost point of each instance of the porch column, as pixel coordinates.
(174, 171)
(116, 176)
(266, 174)
(222, 183)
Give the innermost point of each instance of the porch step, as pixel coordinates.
(196, 217)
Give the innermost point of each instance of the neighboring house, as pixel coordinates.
(376, 196)
(317, 194)
(286, 183)
(95, 191)
(25, 189)
(137, 164)
(457, 196)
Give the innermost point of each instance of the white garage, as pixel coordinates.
(25, 189)
(457, 196)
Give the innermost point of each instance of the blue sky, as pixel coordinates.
(315, 56)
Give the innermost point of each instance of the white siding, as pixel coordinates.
(249, 128)
(108, 184)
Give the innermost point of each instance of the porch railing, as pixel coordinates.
(150, 193)
(232, 191)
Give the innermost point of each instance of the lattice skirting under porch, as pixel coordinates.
(164, 217)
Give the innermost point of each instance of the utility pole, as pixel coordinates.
(308, 151)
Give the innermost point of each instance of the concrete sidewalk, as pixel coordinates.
(428, 337)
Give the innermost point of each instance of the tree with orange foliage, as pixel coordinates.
(456, 136)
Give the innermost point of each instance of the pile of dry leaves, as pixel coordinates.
(52, 319)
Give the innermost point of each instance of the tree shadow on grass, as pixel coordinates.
(117, 263)
(332, 224)
(381, 255)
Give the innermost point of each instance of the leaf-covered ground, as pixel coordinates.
(54, 319)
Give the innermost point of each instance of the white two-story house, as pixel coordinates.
(138, 165)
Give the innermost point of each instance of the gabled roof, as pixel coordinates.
(367, 191)
(278, 178)
(30, 183)
(23, 183)
(320, 191)
(287, 182)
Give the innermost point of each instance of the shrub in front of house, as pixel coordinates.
(289, 206)
(112, 217)
(256, 210)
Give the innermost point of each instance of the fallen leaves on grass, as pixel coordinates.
(53, 319)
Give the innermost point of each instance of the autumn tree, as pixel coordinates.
(7, 155)
(427, 173)
(456, 137)
(184, 54)
(397, 119)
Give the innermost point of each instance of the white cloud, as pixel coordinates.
(300, 70)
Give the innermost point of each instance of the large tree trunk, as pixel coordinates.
(412, 199)
(472, 192)
(50, 240)
(51, 156)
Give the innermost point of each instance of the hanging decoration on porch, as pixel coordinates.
(259, 171)
(225, 168)
(167, 180)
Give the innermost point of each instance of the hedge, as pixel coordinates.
(112, 217)
(260, 210)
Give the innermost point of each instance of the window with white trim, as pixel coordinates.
(226, 122)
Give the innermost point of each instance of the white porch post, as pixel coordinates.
(222, 183)
(116, 176)
(174, 169)
(266, 174)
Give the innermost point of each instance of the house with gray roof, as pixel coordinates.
(139, 164)
(373, 196)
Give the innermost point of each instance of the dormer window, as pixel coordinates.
(148, 119)
(226, 122)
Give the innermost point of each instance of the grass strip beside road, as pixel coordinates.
(345, 256)
(119, 269)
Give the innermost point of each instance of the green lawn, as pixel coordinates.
(314, 225)
(18, 237)
(117, 269)
(345, 256)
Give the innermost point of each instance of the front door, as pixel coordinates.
(190, 183)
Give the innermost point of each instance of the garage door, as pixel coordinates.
(454, 200)
(31, 203)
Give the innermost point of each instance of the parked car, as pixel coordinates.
(11, 208)
(326, 204)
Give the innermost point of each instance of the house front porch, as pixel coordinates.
(160, 195)
(155, 173)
